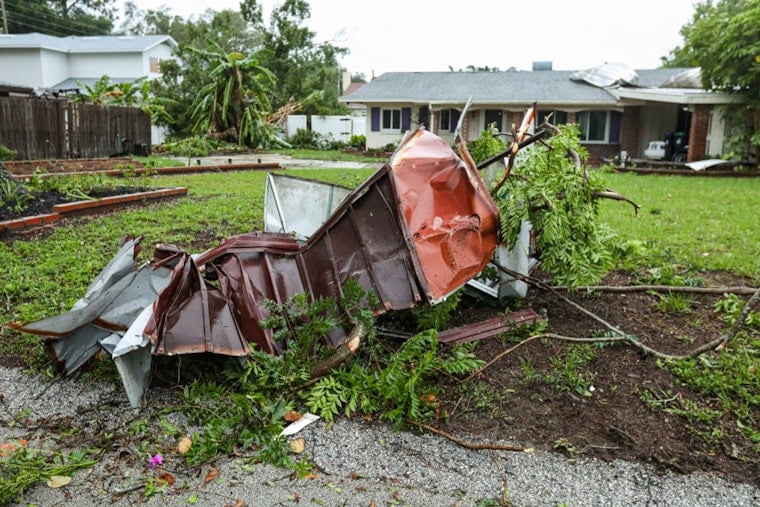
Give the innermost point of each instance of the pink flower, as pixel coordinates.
(155, 461)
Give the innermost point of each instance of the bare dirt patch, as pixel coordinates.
(626, 415)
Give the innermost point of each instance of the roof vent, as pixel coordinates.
(542, 65)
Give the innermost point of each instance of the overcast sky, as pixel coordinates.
(433, 35)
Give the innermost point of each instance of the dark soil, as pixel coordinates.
(507, 402)
(42, 202)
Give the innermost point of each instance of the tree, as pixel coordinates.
(301, 65)
(226, 27)
(234, 103)
(129, 93)
(723, 39)
(60, 17)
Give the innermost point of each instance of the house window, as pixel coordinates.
(444, 120)
(592, 126)
(493, 118)
(391, 119)
(556, 118)
(155, 64)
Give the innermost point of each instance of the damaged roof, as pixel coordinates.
(510, 87)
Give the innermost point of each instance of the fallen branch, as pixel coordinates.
(342, 354)
(739, 290)
(611, 194)
(468, 445)
(740, 320)
(716, 344)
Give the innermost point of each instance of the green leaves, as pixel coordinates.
(723, 39)
(234, 102)
(23, 467)
(547, 189)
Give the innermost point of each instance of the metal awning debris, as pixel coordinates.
(488, 328)
(415, 231)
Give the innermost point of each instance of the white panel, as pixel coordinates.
(21, 67)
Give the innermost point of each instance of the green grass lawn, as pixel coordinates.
(704, 223)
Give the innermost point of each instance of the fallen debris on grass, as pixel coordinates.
(414, 232)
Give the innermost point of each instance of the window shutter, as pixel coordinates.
(455, 114)
(406, 118)
(425, 117)
(375, 119)
(614, 127)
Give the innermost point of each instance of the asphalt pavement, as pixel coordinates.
(357, 463)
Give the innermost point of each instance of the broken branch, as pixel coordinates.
(611, 194)
(342, 354)
(716, 344)
(739, 290)
(468, 445)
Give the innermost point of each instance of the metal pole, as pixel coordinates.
(5, 17)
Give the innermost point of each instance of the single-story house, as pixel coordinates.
(616, 108)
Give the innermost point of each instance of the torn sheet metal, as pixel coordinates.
(488, 328)
(689, 78)
(110, 305)
(414, 232)
(701, 165)
(298, 206)
(607, 75)
(518, 257)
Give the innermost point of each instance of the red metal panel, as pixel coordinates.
(450, 215)
(416, 230)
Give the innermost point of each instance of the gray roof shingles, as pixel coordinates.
(519, 87)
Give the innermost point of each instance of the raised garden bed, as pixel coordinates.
(50, 207)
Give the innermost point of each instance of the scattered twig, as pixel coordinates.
(538, 283)
(739, 290)
(121, 492)
(468, 445)
(611, 194)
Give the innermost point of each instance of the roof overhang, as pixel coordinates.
(507, 104)
(688, 96)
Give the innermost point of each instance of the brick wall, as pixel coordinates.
(629, 131)
(700, 118)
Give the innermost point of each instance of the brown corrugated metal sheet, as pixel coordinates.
(415, 231)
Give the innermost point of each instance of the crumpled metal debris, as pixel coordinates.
(607, 75)
(414, 232)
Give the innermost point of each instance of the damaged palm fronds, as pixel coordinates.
(414, 232)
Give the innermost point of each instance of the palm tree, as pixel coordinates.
(234, 103)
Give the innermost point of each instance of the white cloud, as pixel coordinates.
(427, 35)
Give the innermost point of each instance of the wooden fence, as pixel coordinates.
(39, 129)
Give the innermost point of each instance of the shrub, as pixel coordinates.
(6, 153)
(304, 138)
(358, 142)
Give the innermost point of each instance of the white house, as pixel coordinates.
(45, 61)
(42, 61)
